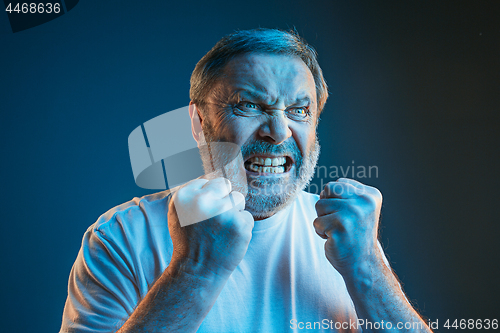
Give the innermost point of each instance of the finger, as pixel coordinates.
(353, 182)
(234, 200)
(218, 187)
(341, 190)
(195, 184)
(328, 206)
(360, 187)
(325, 225)
(238, 200)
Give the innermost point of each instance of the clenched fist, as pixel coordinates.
(348, 216)
(218, 230)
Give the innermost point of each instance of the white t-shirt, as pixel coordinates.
(283, 284)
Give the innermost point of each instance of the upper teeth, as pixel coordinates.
(267, 161)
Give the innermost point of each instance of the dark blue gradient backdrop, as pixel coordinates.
(415, 91)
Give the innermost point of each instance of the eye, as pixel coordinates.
(299, 111)
(247, 109)
(249, 105)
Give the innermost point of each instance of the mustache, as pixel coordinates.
(289, 147)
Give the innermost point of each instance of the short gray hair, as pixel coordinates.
(209, 69)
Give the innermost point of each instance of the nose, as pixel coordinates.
(275, 129)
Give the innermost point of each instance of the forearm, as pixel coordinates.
(178, 301)
(379, 300)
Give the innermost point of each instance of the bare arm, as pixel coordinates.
(205, 255)
(348, 216)
(178, 301)
(380, 304)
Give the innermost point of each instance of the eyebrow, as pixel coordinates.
(263, 97)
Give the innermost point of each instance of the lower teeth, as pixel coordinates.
(261, 169)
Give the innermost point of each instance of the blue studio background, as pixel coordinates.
(415, 91)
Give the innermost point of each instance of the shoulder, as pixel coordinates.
(132, 216)
(134, 235)
(131, 240)
(121, 255)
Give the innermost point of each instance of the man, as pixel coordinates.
(261, 262)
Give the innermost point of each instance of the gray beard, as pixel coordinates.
(264, 197)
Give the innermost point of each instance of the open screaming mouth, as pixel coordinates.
(279, 164)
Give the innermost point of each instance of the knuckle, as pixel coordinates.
(178, 199)
(378, 194)
(220, 182)
(334, 188)
(217, 182)
(318, 204)
(358, 212)
(180, 193)
(360, 191)
(247, 217)
(225, 218)
(193, 184)
(237, 196)
(368, 203)
(317, 223)
(373, 192)
(237, 226)
(330, 185)
(201, 200)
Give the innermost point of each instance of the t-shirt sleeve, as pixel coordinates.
(102, 292)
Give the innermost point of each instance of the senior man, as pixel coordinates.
(275, 260)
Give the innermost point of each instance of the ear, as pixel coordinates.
(196, 128)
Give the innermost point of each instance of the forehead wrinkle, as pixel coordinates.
(254, 95)
(275, 79)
